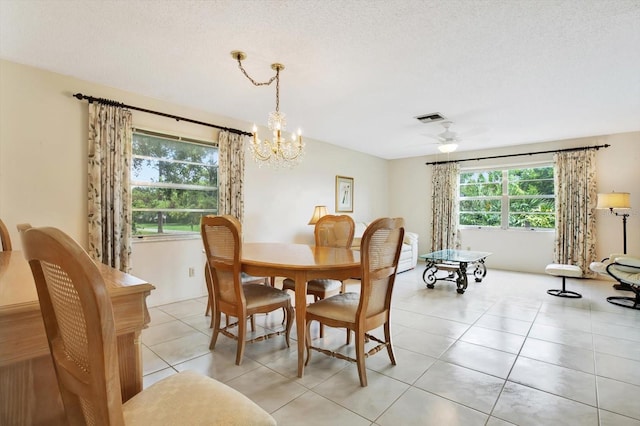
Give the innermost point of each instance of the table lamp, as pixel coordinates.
(617, 200)
(318, 212)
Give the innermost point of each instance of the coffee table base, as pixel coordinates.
(457, 273)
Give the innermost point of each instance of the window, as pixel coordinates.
(508, 198)
(174, 181)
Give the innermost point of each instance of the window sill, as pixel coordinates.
(163, 238)
(492, 229)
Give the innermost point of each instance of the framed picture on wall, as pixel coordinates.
(344, 194)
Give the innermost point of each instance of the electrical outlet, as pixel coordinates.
(192, 271)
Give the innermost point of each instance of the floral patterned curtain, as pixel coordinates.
(576, 199)
(231, 174)
(444, 195)
(110, 135)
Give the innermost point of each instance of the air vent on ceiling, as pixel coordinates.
(430, 118)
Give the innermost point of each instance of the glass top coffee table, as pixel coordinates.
(455, 263)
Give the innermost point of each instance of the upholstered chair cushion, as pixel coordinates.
(260, 295)
(315, 286)
(627, 269)
(178, 400)
(341, 307)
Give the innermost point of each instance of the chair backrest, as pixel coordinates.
(5, 239)
(335, 231)
(222, 236)
(380, 251)
(79, 324)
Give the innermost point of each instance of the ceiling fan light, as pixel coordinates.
(448, 147)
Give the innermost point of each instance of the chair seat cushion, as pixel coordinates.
(250, 279)
(192, 399)
(626, 270)
(259, 295)
(315, 286)
(561, 270)
(341, 307)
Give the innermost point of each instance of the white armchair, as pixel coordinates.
(626, 270)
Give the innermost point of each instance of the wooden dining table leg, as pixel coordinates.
(301, 313)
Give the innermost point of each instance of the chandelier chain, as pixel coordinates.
(266, 83)
(278, 90)
(256, 83)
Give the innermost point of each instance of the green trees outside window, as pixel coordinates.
(508, 198)
(174, 181)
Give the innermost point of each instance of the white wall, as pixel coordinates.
(527, 251)
(43, 134)
(43, 175)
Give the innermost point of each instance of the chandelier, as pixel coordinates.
(279, 152)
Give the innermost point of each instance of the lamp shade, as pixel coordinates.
(614, 200)
(318, 212)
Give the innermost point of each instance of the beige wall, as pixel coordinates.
(43, 181)
(43, 175)
(527, 251)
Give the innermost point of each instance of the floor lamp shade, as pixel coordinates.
(614, 200)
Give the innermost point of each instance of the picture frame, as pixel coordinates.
(344, 194)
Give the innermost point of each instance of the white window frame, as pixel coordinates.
(505, 197)
(137, 183)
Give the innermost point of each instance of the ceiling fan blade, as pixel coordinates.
(472, 133)
(431, 136)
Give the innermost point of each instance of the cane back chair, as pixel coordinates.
(222, 238)
(79, 324)
(361, 313)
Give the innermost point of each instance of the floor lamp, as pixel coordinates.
(617, 200)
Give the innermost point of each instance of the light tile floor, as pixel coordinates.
(505, 352)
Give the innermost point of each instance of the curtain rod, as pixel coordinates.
(582, 148)
(92, 99)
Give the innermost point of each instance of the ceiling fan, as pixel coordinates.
(447, 140)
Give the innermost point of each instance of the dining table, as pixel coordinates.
(300, 262)
(28, 385)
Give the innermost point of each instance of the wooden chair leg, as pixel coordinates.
(242, 337)
(307, 343)
(290, 314)
(362, 370)
(387, 338)
(315, 299)
(215, 318)
(207, 280)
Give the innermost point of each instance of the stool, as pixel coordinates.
(564, 271)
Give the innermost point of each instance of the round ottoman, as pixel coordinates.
(564, 271)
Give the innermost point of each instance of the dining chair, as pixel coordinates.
(79, 324)
(222, 238)
(330, 231)
(246, 279)
(5, 239)
(361, 313)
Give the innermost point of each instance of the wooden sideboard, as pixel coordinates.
(29, 392)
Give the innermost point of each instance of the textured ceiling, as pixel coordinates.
(358, 72)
